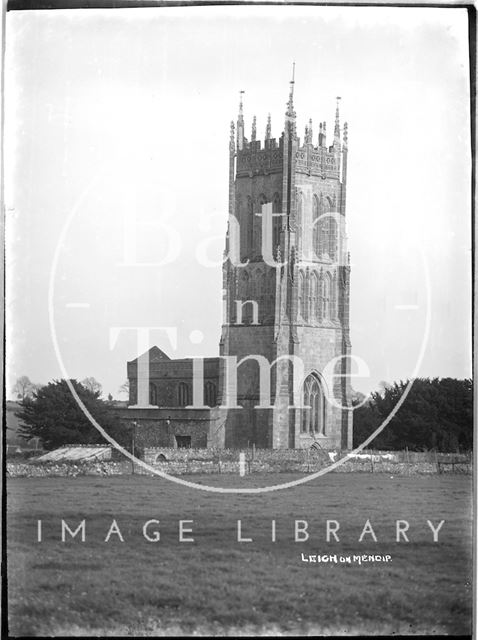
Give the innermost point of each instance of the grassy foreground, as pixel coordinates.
(219, 586)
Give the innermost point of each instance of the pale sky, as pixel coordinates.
(109, 112)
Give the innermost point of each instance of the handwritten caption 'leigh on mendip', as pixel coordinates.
(348, 559)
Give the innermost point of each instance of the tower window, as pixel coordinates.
(250, 226)
(314, 298)
(153, 394)
(302, 296)
(276, 224)
(300, 221)
(210, 394)
(326, 302)
(316, 226)
(183, 394)
(313, 413)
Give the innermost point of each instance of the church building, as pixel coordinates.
(282, 378)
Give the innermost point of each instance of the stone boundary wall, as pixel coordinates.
(264, 456)
(64, 469)
(184, 465)
(305, 456)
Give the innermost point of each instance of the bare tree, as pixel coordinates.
(357, 397)
(124, 388)
(383, 385)
(92, 385)
(25, 388)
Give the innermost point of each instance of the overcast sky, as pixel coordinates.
(121, 112)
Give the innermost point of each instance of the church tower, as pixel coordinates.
(286, 299)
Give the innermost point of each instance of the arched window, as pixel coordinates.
(241, 217)
(302, 295)
(276, 224)
(333, 297)
(332, 232)
(243, 294)
(316, 226)
(271, 292)
(210, 394)
(183, 394)
(263, 299)
(255, 285)
(306, 298)
(300, 221)
(314, 411)
(326, 291)
(153, 394)
(250, 226)
(257, 222)
(314, 296)
(323, 231)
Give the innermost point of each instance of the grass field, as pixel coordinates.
(219, 586)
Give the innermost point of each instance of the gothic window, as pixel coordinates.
(322, 227)
(210, 394)
(332, 233)
(257, 221)
(244, 287)
(302, 295)
(313, 412)
(307, 296)
(314, 296)
(183, 394)
(316, 225)
(271, 292)
(300, 221)
(276, 224)
(241, 217)
(153, 394)
(333, 297)
(326, 291)
(262, 298)
(250, 226)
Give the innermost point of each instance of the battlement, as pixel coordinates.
(252, 158)
(320, 160)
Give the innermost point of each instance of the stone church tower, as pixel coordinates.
(291, 300)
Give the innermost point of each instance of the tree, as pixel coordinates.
(436, 414)
(24, 388)
(92, 385)
(55, 417)
(124, 388)
(357, 397)
(383, 385)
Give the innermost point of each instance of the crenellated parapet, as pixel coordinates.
(253, 159)
(318, 161)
